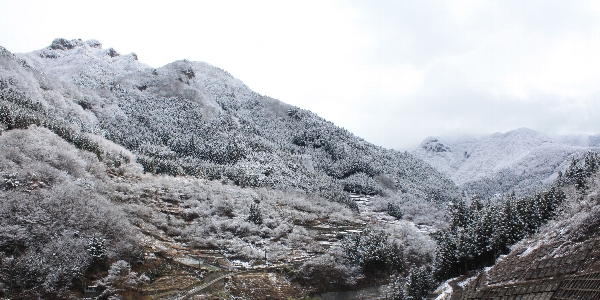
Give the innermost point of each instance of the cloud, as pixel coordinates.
(483, 67)
(392, 72)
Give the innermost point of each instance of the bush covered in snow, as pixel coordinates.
(57, 225)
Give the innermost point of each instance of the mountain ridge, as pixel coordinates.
(188, 165)
(521, 160)
(195, 119)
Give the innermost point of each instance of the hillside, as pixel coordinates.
(124, 181)
(128, 181)
(561, 261)
(195, 119)
(522, 160)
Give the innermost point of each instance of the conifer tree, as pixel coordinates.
(255, 214)
(576, 174)
(418, 283)
(394, 211)
(373, 252)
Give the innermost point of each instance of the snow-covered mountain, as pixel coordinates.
(108, 164)
(522, 160)
(110, 169)
(191, 118)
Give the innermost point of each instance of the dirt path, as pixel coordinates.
(201, 287)
(457, 291)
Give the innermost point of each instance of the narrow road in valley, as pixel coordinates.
(199, 288)
(457, 290)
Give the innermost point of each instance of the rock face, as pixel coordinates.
(435, 146)
(522, 160)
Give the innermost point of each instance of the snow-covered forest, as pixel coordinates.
(124, 181)
(190, 118)
(522, 161)
(186, 154)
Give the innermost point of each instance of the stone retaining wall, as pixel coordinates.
(551, 272)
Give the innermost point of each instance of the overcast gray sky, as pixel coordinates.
(392, 72)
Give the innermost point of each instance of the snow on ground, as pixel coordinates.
(444, 290)
(464, 283)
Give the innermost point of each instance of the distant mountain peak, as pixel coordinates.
(522, 160)
(524, 133)
(432, 144)
(65, 44)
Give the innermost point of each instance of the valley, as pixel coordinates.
(123, 181)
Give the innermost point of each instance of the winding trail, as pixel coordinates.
(201, 287)
(457, 290)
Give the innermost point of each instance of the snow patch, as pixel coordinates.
(444, 291)
(464, 283)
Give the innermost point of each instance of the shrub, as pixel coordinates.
(373, 252)
(326, 272)
(394, 210)
(255, 215)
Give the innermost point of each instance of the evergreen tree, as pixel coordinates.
(394, 211)
(96, 248)
(479, 231)
(446, 255)
(509, 228)
(461, 215)
(485, 228)
(418, 283)
(255, 215)
(577, 174)
(373, 252)
(592, 163)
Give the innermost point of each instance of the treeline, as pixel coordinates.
(480, 231)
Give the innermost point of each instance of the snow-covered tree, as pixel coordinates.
(119, 279)
(373, 252)
(255, 215)
(418, 283)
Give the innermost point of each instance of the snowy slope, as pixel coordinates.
(191, 118)
(558, 258)
(522, 160)
(78, 126)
